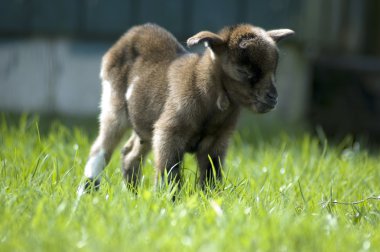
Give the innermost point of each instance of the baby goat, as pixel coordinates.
(178, 102)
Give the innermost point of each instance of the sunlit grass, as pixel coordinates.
(281, 193)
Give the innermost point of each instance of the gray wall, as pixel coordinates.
(61, 76)
(50, 76)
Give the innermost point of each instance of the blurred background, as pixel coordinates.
(328, 76)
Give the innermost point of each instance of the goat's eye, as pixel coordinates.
(243, 71)
(253, 79)
(251, 74)
(255, 75)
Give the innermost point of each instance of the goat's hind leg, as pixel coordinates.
(113, 123)
(133, 154)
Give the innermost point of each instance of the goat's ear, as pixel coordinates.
(280, 34)
(210, 39)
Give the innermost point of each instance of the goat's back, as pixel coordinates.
(153, 43)
(149, 42)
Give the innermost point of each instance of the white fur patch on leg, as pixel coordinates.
(129, 92)
(106, 96)
(95, 165)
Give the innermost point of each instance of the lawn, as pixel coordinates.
(284, 191)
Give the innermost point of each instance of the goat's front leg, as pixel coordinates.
(210, 162)
(210, 168)
(168, 149)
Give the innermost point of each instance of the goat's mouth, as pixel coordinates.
(262, 106)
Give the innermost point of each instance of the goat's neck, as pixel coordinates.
(209, 73)
(210, 76)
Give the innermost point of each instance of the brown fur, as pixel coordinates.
(182, 102)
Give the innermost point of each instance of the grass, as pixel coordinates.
(282, 193)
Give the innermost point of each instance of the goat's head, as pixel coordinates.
(248, 57)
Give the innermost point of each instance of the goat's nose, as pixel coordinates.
(271, 99)
(272, 96)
